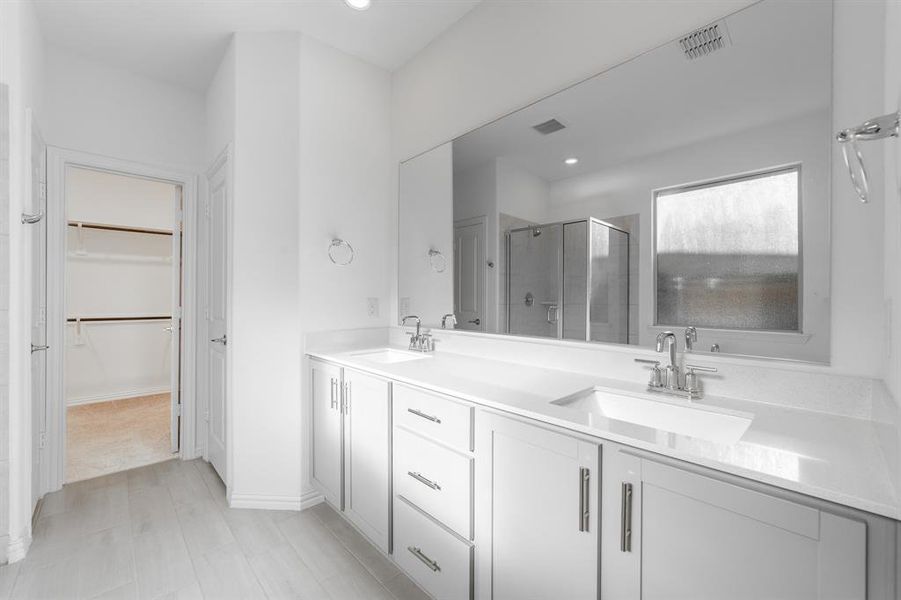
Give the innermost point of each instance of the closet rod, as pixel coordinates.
(97, 319)
(119, 228)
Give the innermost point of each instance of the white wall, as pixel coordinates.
(893, 201)
(503, 56)
(426, 187)
(264, 445)
(345, 171)
(21, 68)
(105, 110)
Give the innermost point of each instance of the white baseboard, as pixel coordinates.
(121, 395)
(310, 499)
(17, 549)
(264, 502)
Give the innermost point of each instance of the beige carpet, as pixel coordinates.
(107, 437)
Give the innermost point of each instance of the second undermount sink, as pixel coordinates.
(674, 416)
(390, 355)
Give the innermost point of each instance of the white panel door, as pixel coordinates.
(175, 326)
(38, 168)
(538, 522)
(217, 414)
(469, 274)
(367, 454)
(325, 392)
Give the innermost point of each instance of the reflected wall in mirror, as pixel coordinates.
(679, 189)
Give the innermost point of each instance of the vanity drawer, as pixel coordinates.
(437, 560)
(435, 479)
(435, 416)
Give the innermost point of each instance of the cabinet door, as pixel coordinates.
(325, 384)
(367, 453)
(537, 518)
(701, 538)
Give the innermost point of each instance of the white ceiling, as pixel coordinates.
(778, 67)
(182, 41)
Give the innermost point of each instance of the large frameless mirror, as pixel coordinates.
(685, 190)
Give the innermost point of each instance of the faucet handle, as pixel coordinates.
(656, 379)
(649, 361)
(693, 368)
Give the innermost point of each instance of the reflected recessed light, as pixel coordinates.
(358, 4)
(571, 161)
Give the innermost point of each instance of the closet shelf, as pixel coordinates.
(103, 227)
(119, 257)
(117, 319)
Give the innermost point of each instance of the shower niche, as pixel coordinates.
(568, 281)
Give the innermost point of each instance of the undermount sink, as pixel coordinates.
(390, 355)
(674, 416)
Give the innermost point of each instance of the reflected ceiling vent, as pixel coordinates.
(549, 127)
(705, 40)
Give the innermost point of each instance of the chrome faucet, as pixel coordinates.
(448, 317)
(668, 379)
(667, 340)
(691, 336)
(419, 342)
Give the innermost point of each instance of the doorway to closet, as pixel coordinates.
(123, 293)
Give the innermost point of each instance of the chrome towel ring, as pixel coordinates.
(340, 252)
(873, 129)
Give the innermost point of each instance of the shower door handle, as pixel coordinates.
(35, 348)
(476, 321)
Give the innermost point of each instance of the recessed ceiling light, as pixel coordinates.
(571, 161)
(358, 4)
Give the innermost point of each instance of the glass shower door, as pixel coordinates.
(534, 257)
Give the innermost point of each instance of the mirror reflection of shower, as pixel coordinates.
(568, 281)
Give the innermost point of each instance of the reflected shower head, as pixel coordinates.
(536, 231)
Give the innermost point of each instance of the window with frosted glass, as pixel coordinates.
(727, 253)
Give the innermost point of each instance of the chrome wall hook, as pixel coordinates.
(32, 219)
(877, 128)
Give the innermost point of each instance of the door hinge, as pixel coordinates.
(206, 416)
(42, 440)
(178, 410)
(42, 191)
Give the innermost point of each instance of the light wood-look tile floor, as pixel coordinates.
(165, 531)
(107, 437)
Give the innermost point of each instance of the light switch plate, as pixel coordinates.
(372, 307)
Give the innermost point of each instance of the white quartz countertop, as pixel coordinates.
(831, 457)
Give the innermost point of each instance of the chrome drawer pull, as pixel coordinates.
(584, 498)
(424, 481)
(625, 535)
(428, 561)
(424, 416)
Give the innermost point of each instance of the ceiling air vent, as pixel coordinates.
(705, 40)
(549, 127)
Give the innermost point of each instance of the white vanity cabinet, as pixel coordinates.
(537, 513)
(325, 385)
(352, 446)
(672, 533)
(433, 473)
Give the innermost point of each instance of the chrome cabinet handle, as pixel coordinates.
(38, 348)
(221, 340)
(333, 396)
(625, 534)
(347, 393)
(424, 416)
(424, 481)
(584, 498)
(428, 561)
(476, 321)
(32, 219)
